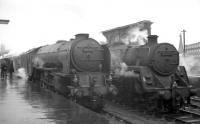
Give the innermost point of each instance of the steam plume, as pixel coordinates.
(191, 64)
(120, 68)
(21, 73)
(135, 36)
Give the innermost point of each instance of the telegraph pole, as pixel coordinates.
(184, 41)
(3, 21)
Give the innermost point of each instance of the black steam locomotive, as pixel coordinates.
(79, 68)
(153, 77)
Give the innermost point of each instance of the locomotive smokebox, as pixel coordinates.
(81, 36)
(152, 40)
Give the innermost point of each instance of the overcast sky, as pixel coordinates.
(39, 22)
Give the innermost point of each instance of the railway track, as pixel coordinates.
(195, 101)
(129, 115)
(125, 115)
(188, 115)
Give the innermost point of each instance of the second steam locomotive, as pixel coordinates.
(79, 68)
(152, 77)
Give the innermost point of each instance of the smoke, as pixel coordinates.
(21, 73)
(191, 64)
(118, 67)
(124, 71)
(135, 36)
(38, 62)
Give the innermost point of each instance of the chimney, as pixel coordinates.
(81, 36)
(71, 39)
(152, 40)
(61, 41)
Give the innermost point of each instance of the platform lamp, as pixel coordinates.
(3, 21)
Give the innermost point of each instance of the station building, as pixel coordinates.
(125, 34)
(190, 58)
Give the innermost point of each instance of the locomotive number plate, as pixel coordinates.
(167, 53)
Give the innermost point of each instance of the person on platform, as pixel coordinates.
(11, 69)
(3, 70)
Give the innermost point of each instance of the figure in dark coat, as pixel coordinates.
(3, 70)
(11, 69)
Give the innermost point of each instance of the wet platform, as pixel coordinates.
(25, 103)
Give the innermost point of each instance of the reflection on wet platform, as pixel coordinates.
(25, 103)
